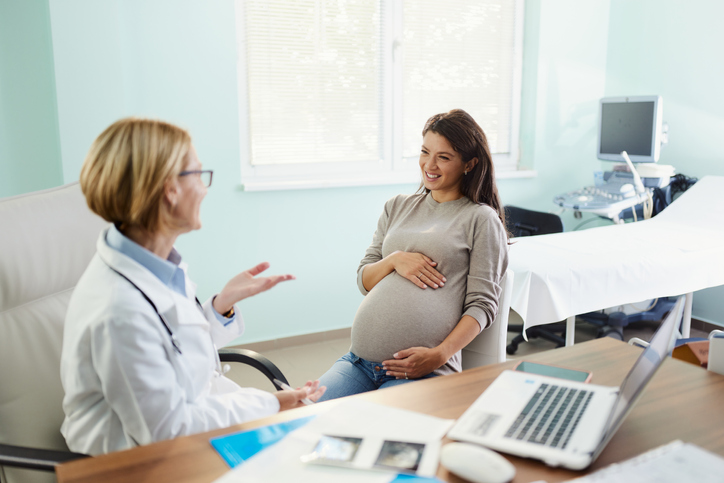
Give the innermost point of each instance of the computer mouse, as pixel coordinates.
(475, 463)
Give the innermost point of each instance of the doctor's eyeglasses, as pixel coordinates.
(206, 175)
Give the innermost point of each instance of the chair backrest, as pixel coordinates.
(47, 239)
(522, 222)
(489, 346)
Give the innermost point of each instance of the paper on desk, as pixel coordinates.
(671, 463)
(281, 462)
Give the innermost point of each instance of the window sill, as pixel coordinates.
(516, 173)
(279, 184)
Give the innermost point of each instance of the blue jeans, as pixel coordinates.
(354, 375)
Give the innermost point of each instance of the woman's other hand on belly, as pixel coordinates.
(414, 362)
(418, 269)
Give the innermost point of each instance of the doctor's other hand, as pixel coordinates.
(418, 269)
(290, 399)
(245, 285)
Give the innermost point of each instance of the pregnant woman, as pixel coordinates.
(431, 277)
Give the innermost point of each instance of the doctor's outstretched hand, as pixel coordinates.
(245, 285)
(290, 399)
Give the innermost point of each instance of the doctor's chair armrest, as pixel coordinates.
(34, 458)
(256, 360)
(638, 342)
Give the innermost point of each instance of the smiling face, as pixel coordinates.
(442, 168)
(190, 191)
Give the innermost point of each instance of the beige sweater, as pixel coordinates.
(469, 244)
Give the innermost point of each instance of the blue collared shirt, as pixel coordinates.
(167, 271)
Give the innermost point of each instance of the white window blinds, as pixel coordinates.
(314, 80)
(336, 92)
(459, 54)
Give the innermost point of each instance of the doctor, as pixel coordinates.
(139, 361)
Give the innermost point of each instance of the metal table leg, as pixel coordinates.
(570, 330)
(686, 318)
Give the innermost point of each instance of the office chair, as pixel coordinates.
(489, 346)
(48, 238)
(522, 222)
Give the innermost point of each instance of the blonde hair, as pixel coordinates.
(126, 168)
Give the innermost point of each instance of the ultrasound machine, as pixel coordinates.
(630, 130)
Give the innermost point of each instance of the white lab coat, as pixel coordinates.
(124, 382)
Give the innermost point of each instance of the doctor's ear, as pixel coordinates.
(171, 192)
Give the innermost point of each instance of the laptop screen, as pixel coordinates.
(642, 371)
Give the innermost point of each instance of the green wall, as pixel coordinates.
(673, 48)
(176, 60)
(677, 55)
(29, 142)
(562, 82)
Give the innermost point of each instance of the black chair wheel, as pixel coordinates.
(511, 348)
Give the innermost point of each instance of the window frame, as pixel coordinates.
(391, 167)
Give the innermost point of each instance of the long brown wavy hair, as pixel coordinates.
(468, 139)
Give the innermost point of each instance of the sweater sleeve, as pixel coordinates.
(488, 263)
(374, 251)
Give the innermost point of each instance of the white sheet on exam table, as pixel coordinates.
(680, 250)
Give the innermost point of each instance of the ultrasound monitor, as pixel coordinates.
(631, 124)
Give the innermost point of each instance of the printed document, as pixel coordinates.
(355, 441)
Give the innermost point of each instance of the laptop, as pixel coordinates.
(563, 423)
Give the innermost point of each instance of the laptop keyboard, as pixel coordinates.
(550, 416)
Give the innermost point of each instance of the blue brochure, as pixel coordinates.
(237, 447)
(415, 479)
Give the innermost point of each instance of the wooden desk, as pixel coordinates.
(683, 401)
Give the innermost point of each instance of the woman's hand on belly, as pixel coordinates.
(417, 268)
(414, 362)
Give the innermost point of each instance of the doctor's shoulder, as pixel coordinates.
(101, 295)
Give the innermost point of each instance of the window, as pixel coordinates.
(336, 92)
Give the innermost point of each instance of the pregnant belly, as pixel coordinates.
(396, 315)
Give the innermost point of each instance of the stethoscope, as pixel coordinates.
(174, 341)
